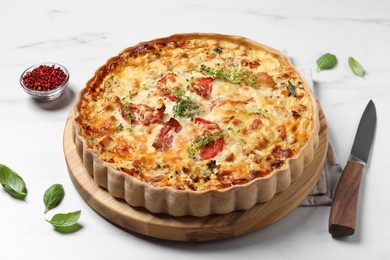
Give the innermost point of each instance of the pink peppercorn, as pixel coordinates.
(44, 77)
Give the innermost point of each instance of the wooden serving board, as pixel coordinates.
(190, 228)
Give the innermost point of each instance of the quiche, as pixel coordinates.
(196, 124)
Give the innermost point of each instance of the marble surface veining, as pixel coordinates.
(82, 35)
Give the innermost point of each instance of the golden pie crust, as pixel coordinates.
(196, 124)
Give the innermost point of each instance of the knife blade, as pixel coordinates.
(342, 218)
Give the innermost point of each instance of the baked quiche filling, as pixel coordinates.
(196, 114)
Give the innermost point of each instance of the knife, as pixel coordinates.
(342, 218)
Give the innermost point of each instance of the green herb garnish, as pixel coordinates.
(291, 88)
(247, 77)
(356, 67)
(13, 184)
(236, 77)
(217, 73)
(326, 62)
(126, 109)
(185, 108)
(178, 93)
(53, 196)
(261, 112)
(203, 141)
(191, 152)
(189, 82)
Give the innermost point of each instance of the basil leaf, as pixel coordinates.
(65, 220)
(12, 183)
(326, 62)
(356, 67)
(291, 88)
(68, 230)
(53, 196)
(217, 50)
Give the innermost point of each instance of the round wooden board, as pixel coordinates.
(190, 228)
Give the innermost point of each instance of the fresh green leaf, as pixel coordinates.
(53, 196)
(68, 230)
(356, 67)
(12, 183)
(291, 88)
(326, 62)
(65, 220)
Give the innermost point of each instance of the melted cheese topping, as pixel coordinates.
(198, 114)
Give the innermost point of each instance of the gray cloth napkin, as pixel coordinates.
(322, 192)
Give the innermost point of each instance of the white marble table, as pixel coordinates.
(82, 35)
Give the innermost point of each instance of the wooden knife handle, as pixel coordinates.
(342, 218)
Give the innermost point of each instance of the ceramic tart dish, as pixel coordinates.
(196, 124)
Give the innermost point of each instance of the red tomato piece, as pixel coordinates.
(168, 77)
(140, 113)
(208, 126)
(202, 86)
(164, 139)
(146, 115)
(163, 90)
(211, 149)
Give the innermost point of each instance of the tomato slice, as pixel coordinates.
(208, 126)
(164, 138)
(202, 86)
(168, 77)
(140, 113)
(211, 149)
(146, 115)
(173, 123)
(163, 90)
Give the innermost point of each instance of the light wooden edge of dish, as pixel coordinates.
(194, 203)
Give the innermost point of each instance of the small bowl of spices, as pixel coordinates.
(45, 81)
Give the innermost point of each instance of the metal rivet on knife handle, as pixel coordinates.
(342, 219)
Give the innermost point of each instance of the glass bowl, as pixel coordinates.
(46, 95)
